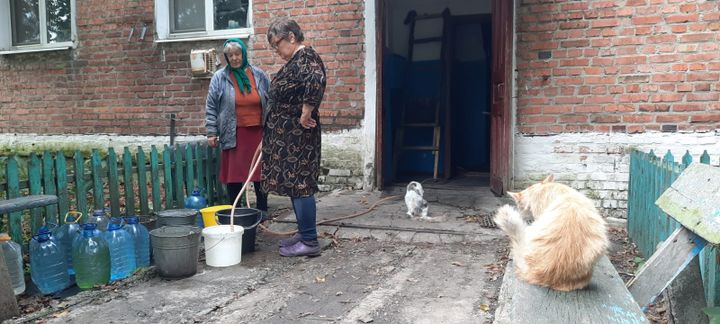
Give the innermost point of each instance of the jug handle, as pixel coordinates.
(73, 212)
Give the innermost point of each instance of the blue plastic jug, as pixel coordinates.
(141, 237)
(100, 218)
(196, 201)
(91, 258)
(48, 265)
(67, 234)
(122, 250)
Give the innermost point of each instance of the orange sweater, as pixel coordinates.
(247, 106)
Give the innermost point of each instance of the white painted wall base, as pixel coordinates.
(33, 142)
(599, 164)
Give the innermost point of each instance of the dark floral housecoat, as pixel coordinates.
(291, 153)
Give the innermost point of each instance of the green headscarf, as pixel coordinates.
(240, 75)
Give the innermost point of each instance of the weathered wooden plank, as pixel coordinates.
(200, 167)
(209, 176)
(26, 202)
(142, 181)
(80, 193)
(62, 185)
(35, 175)
(113, 183)
(168, 176)
(128, 179)
(12, 177)
(189, 169)
(179, 181)
(664, 265)
(694, 201)
(155, 179)
(216, 174)
(98, 175)
(51, 214)
(605, 300)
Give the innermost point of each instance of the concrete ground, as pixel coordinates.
(380, 267)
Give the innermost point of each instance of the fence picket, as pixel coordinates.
(179, 183)
(168, 176)
(80, 190)
(208, 176)
(189, 169)
(51, 215)
(200, 170)
(62, 186)
(113, 183)
(128, 179)
(12, 177)
(216, 175)
(142, 181)
(98, 175)
(155, 179)
(34, 176)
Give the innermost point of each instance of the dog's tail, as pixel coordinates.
(510, 221)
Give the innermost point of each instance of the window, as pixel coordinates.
(36, 25)
(180, 20)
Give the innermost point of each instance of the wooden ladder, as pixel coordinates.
(433, 147)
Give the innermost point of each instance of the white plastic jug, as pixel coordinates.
(223, 247)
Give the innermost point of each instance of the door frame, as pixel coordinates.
(501, 95)
(500, 148)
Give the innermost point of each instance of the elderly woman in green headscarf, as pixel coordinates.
(234, 115)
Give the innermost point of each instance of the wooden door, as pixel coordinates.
(500, 102)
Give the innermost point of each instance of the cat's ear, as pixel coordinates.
(549, 178)
(517, 196)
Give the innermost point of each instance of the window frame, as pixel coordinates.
(163, 25)
(6, 31)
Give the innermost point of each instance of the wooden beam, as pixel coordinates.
(664, 265)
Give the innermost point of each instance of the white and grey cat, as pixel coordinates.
(416, 204)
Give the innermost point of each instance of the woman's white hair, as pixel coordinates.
(231, 46)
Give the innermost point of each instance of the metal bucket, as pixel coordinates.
(176, 217)
(176, 250)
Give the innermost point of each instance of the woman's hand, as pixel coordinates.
(213, 141)
(305, 119)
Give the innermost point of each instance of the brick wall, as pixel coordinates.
(618, 66)
(110, 84)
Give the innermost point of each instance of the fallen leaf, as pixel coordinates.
(455, 263)
(319, 279)
(484, 307)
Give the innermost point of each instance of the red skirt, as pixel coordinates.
(235, 162)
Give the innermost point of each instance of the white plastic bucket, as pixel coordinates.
(223, 247)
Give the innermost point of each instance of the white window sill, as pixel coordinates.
(37, 48)
(196, 37)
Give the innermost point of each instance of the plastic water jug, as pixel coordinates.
(122, 251)
(13, 259)
(100, 218)
(196, 201)
(141, 237)
(48, 265)
(91, 258)
(67, 234)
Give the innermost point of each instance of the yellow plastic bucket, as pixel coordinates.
(208, 214)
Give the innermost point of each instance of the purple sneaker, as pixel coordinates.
(290, 241)
(300, 249)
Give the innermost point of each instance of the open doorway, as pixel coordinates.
(436, 106)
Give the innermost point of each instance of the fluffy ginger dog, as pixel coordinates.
(568, 235)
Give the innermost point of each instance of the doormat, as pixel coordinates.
(485, 220)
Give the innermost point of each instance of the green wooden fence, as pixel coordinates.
(137, 183)
(648, 225)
